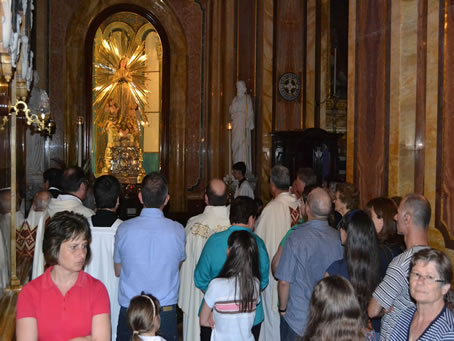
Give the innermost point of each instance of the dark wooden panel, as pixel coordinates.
(290, 49)
(421, 96)
(372, 98)
(246, 42)
(444, 210)
(194, 22)
(60, 13)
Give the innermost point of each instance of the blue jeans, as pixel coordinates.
(168, 329)
(287, 333)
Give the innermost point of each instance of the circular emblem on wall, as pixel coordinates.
(289, 86)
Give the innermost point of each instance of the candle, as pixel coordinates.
(80, 123)
(335, 74)
(229, 127)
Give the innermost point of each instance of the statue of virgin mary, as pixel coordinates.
(120, 97)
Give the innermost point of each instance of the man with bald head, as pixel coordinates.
(307, 253)
(41, 200)
(215, 218)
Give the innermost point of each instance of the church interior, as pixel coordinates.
(130, 87)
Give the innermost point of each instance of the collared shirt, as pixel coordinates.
(441, 328)
(150, 249)
(213, 258)
(104, 218)
(307, 253)
(59, 317)
(54, 191)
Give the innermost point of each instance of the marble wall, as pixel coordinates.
(399, 111)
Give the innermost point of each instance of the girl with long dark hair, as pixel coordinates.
(360, 265)
(232, 297)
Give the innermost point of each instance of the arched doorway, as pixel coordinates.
(128, 89)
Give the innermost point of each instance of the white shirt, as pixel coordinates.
(244, 189)
(68, 202)
(230, 324)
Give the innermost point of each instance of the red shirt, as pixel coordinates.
(63, 317)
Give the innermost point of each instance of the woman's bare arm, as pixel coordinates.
(205, 316)
(26, 329)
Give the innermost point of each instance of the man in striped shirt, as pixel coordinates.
(392, 295)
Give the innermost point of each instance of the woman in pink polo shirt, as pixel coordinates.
(64, 303)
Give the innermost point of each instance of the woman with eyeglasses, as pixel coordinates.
(430, 280)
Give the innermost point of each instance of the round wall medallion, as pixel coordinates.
(289, 86)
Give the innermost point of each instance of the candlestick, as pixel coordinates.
(229, 127)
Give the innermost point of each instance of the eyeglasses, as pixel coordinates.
(416, 276)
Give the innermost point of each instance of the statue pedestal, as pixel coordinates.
(124, 161)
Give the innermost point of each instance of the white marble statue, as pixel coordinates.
(242, 113)
(7, 24)
(15, 42)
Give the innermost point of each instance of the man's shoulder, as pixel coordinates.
(209, 215)
(312, 226)
(403, 260)
(195, 219)
(130, 222)
(312, 233)
(275, 206)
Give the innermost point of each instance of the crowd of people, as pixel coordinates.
(312, 265)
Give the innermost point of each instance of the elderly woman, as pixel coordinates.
(430, 281)
(347, 198)
(64, 303)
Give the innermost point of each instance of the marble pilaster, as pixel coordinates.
(407, 94)
(266, 122)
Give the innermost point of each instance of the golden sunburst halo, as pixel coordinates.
(119, 81)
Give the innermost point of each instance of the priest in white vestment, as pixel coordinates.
(215, 218)
(101, 266)
(276, 219)
(103, 226)
(74, 186)
(5, 222)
